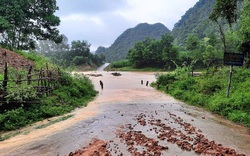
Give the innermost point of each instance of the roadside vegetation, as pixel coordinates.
(71, 92)
(208, 90)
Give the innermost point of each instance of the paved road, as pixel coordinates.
(127, 107)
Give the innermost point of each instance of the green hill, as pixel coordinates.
(119, 49)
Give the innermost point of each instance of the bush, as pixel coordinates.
(165, 79)
(210, 86)
(13, 119)
(240, 117)
(21, 93)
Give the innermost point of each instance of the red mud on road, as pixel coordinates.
(186, 137)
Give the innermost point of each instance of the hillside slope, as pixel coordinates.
(195, 20)
(13, 59)
(119, 49)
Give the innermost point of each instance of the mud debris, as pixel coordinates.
(95, 148)
(138, 142)
(116, 74)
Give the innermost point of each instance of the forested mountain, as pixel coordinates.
(119, 49)
(195, 20)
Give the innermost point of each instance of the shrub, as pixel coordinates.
(210, 86)
(14, 119)
(21, 93)
(165, 79)
(240, 117)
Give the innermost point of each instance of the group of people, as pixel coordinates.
(146, 82)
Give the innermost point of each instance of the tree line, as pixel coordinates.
(64, 54)
(151, 52)
(231, 36)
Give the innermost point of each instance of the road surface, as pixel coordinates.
(133, 119)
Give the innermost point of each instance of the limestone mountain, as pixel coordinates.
(195, 20)
(119, 49)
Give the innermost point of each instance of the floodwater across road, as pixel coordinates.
(123, 105)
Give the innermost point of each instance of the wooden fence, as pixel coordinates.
(44, 81)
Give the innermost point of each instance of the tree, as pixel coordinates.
(169, 52)
(135, 55)
(192, 42)
(150, 52)
(22, 22)
(210, 55)
(213, 39)
(80, 48)
(225, 9)
(244, 31)
(194, 46)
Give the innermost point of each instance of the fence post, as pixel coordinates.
(40, 79)
(5, 78)
(29, 75)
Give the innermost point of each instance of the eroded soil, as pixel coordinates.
(130, 118)
(13, 59)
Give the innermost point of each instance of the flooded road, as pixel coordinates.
(125, 107)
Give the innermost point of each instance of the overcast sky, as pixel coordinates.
(100, 22)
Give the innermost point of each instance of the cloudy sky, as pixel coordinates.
(100, 22)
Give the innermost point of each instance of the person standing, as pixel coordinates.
(101, 83)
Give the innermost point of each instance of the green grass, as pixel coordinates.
(39, 60)
(5, 137)
(209, 91)
(54, 121)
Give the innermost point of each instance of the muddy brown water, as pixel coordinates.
(117, 105)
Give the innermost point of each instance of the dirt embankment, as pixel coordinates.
(13, 59)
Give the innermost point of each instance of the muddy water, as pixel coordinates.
(117, 105)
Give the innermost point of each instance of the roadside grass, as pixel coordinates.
(54, 121)
(209, 91)
(9, 135)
